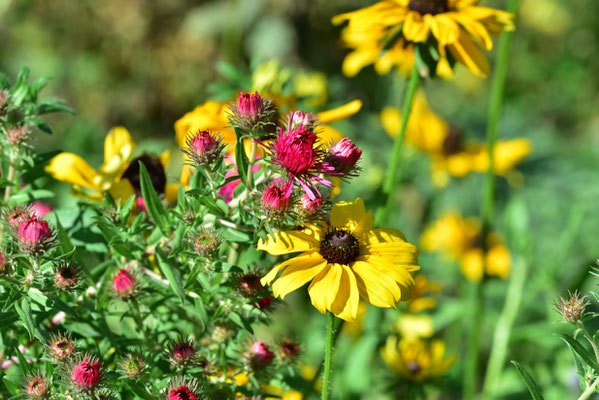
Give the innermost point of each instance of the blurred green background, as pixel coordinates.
(143, 64)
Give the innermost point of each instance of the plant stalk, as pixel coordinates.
(328, 356)
(250, 175)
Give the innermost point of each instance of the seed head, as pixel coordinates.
(572, 309)
(66, 275)
(17, 135)
(133, 365)
(206, 242)
(222, 332)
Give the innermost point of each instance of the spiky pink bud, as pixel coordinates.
(35, 234)
(86, 375)
(294, 151)
(37, 387)
(17, 135)
(249, 105)
(260, 355)
(204, 148)
(310, 207)
(344, 155)
(288, 351)
(66, 276)
(140, 203)
(182, 353)
(181, 393)
(40, 210)
(124, 284)
(274, 198)
(61, 347)
(300, 119)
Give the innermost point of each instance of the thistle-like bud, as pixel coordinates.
(133, 365)
(204, 148)
(182, 392)
(87, 374)
(3, 101)
(17, 135)
(249, 285)
(35, 235)
(182, 352)
(276, 198)
(251, 113)
(572, 309)
(206, 242)
(222, 332)
(66, 275)
(37, 387)
(299, 119)
(344, 156)
(259, 356)
(13, 217)
(288, 351)
(309, 208)
(61, 347)
(124, 284)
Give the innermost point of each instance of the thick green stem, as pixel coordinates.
(590, 390)
(471, 361)
(250, 176)
(504, 327)
(393, 172)
(328, 357)
(589, 338)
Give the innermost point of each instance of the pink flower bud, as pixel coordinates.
(86, 375)
(124, 284)
(344, 155)
(249, 105)
(204, 148)
(141, 204)
(182, 353)
(275, 197)
(40, 210)
(181, 393)
(300, 119)
(34, 234)
(294, 151)
(3, 263)
(260, 355)
(310, 206)
(38, 387)
(61, 347)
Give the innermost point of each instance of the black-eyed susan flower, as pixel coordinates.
(449, 154)
(415, 359)
(118, 175)
(385, 34)
(460, 240)
(344, 261)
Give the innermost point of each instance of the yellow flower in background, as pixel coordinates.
(344, 262)
(415, 359)
(459, 239)
(115, 175)
(431, 134)
(419, 301)
(387, 30)
(415, 326)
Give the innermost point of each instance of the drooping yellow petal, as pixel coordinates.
(345, 111)
(288, 242)
(398, 273)
(298, 274)
(118, 148)
(70, 168)
(468, 53)
(352, 216)
(346, 303)
(375, 287)
(272, 274)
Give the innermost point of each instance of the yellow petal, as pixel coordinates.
(346, 303)
(468, 53)
(171, 192)
(164, 158)
(70, 168)
(118, 148)
(122, 190)
(328, 135)
(272, 274)
(325, 286)
(288, 242)
(397, 272)
(352, 216)
(297, 275)
(415, 326)
(375, 287)
(472, 266)
(345, 111)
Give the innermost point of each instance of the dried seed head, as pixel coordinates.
(66, 275)
(133, 365)
(17, 135)
(573, 308)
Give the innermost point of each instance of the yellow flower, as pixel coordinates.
(419, 301)
(347, 261)
(415, 326)
(460, 28)
(459, 239)
(431, 134)
(415, 359)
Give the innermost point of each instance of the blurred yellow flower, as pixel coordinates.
(384, 34)
(416, 359)
(419, 301)
(110, 177)
(344, 262)
(412, 326)
(459, 239)
(431, 134)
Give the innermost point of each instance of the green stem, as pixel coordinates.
(590, 390)
(589, 338)
(253, 152)
(471, 361)
(328, 356)
(504, 327)
(393, 172)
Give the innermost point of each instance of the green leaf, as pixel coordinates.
(37, 85)
(580, 350)
(235, 235)
(241, 160)
(239, 321)
(153, 204)
(4, 84)
(24, 311)
(13, 383)
(139, 390)
(47, 106)
(529, 381)
(22, 362)
(41, 124)
(171, 274)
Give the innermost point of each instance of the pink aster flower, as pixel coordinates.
(260, 355)
(40, 209)
(344, 156)
(275, 198)
(86, 375)
(34, 234)
(181, 393)
(124, 284)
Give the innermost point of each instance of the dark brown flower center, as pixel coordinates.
(339, 246)
(413, 367)
(428, 6)
(155, 171)
(453, 141)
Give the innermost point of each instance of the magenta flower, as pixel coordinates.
(181, 393)
(276, 197)
(124, 284)
(33, 231)
(40, 209)
(344, 156)
(249, 105)
(260, 355)
(86, 375)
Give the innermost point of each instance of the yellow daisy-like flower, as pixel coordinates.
(384, 34)
(419, 299)
(414, 326)
(344, 262)
(415, 359)
(112, 176)
(431, 134)
(460, 239)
